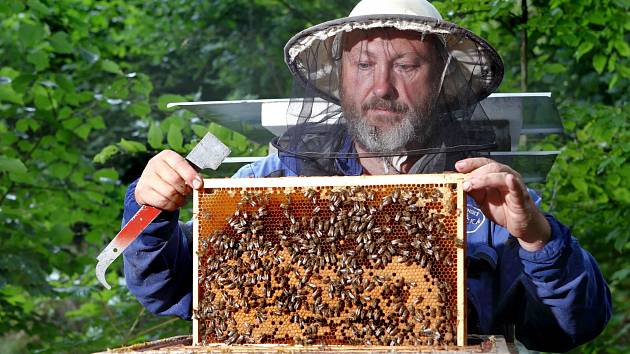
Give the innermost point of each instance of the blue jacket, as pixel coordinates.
(554, 299)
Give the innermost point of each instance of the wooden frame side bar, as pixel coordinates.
(461, 267)
(195, 304)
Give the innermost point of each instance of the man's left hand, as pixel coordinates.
(503, 197)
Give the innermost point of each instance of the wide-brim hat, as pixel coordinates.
(312, 54)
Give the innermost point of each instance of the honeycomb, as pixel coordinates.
(361, 261)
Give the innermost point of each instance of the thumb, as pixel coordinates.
(197, 182)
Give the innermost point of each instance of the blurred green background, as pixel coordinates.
(83, 88)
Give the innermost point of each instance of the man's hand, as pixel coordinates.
(503, 197)
(166, 181)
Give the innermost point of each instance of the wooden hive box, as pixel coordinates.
(363, 261)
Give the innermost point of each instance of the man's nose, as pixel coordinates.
(383, 83)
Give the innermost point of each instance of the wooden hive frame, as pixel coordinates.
(320, 189)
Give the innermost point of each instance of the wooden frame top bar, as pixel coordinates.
(334, 181)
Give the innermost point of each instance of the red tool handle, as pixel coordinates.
(135, 226)
(129, 232)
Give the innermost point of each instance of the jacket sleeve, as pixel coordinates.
(158, 264)
(567, 301)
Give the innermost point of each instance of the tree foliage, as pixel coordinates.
(83, 90)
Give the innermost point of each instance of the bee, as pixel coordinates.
(448, 261)
(387, 200)
(309, 193)
(395, 195)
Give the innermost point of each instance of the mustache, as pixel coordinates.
(383, 104)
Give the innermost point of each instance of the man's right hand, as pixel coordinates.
(166, 181)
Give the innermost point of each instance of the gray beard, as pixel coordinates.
(412, 130)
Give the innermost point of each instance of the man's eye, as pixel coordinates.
(407, 67)
(363, 65)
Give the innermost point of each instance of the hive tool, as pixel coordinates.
(208, 153)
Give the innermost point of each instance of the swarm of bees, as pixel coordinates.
(357, 265)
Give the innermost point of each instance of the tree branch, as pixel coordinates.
(133, 326)
(161, 324)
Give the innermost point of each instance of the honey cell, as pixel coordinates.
(341, 263)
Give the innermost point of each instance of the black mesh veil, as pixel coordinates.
(434, 120)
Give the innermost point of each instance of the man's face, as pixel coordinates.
(389, 82)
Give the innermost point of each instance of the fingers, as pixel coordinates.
(486, 174)
(164, 172)
(468, 165)
(517, 189)
(166, 181)
(182, 168)
(480, 166)
(156, 196)
(503, 181)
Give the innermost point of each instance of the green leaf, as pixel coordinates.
(106, 175)
(142, 85)
(11, 165)
(61, 43)
(60, 170)
(599, 63)
(87, 310)
(14, 295)
(613, 82)
(169, 98)
(222, 133)
(83, 131)
(25, 124)
(7, 94)
(11, 7)
(110, 66)
(118, 89)
(39, 7)
(155, 136)
(579, 184)
(622, 195)
(140, 109)
(90, 54)
(72, 123)
(31, 34)
(39, 58)
(65, 82)
(23, 82)
(97, 122)
(612, 62)
(175, 138)
(598, 18)
(556, 68)
(199, 130)
(106, 153)
(622, 47)
(132, 146)
(43, 98)
(584, 48)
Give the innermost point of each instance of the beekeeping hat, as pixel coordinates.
(312, 53)
(319, 140)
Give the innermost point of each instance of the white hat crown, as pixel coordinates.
(396, 7)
